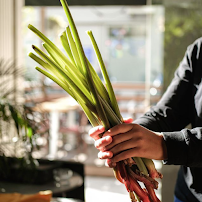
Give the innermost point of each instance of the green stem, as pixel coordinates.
(86, 110)
(106, 76)
(58, 81)
(99, 85)
(153, 173)
(45, 65)
(87, 74)
(53, 55)
(91, 117)
(59, 55)
(77, 90)
(39, 60)
(113, 118)
(74, 49)
(72, 72)
(66, 46)
(49, 42)
(141, 165)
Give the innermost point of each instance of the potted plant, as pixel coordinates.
(19, 128)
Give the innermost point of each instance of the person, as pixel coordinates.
(162, 132)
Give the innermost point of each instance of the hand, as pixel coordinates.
(129, 140)
(97, 131)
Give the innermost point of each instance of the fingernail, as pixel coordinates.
(100, 127)
(107, 138)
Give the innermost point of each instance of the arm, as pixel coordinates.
(180, 106)
(173, 113)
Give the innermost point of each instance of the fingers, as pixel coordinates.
(123, 146)
(124, 155)
(110, 164)
(121, 128)
(103, 142)
(105, 155)
(119, 150)
(96, 131)
(118, 139)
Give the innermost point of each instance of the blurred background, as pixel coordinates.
(141, 41)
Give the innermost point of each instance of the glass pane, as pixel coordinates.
(126, 49)
(122, 39)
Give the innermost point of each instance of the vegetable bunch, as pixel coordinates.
(77, 77)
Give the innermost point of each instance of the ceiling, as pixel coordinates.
(85, 2)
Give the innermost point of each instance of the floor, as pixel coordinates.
(105, 189)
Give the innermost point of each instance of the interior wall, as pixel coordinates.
(11, 38)
(10, 34)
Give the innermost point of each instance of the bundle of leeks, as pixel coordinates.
(77, 77)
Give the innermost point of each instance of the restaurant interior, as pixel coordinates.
(46, 153)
